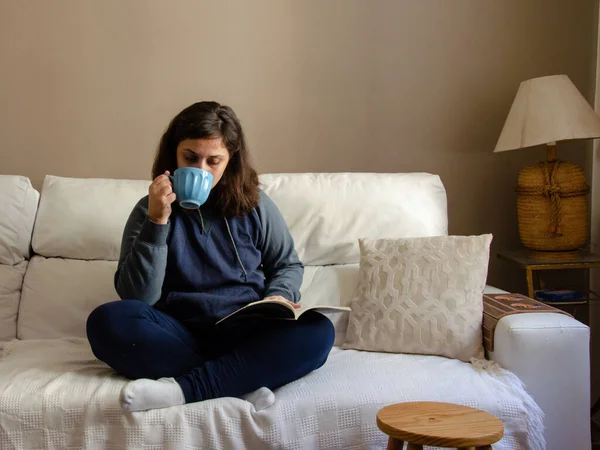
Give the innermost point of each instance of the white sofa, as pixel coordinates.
(55, 394)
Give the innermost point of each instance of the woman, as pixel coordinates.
(181, 271)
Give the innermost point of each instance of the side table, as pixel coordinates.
(533, 262)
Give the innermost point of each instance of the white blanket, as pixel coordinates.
(54, 395)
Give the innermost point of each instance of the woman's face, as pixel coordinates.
(208, 154)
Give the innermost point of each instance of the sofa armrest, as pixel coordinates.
(550, 354)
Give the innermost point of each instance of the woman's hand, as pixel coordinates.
(279, 297)
(160, 198)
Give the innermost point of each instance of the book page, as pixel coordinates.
(257, 305)
(294, 313)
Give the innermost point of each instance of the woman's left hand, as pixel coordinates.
(279, 297)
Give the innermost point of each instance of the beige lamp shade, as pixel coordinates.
(546, 110)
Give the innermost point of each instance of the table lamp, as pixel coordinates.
(552, 208)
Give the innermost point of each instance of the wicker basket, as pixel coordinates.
(552, 206)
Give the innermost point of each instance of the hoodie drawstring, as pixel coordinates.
(201, 221)
(232, 242)
(236, 250)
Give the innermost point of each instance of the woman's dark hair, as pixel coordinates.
(237, 192)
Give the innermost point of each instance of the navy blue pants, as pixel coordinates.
(138, 341)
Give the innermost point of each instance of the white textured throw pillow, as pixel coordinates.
(420, 295)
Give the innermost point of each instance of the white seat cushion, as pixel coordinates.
(18, 203)
(54, 394)
(59, 294)
(11, 281)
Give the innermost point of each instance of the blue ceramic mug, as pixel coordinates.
(192, 186)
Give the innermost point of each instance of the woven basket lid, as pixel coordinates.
(566, 176)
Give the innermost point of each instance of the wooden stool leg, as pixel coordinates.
(414, 447)
(395, 444)
(484, 447)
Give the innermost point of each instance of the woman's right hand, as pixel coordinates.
(160, 198)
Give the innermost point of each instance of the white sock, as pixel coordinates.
(261, 398)
(145, 394)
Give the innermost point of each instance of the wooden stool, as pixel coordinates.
(438, 424)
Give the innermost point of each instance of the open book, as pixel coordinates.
(277, 309)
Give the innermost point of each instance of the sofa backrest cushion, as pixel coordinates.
(328, 212)
(59, 294)
(11, 280)
(334, 286)
(80, 224)
(84, 218)
(19, 201)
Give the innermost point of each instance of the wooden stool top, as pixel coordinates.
(439, 424)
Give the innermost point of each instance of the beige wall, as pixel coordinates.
(87, 87)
